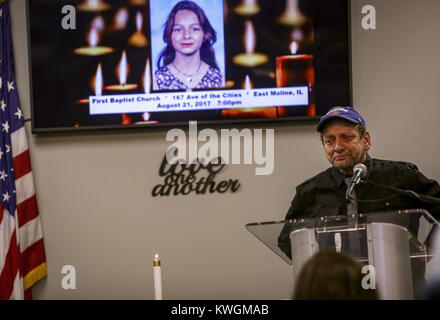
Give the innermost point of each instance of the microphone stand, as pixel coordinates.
(354, 219)
(410, 193)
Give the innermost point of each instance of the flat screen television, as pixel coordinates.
(106, 64)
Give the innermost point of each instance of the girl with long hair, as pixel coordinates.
(188, 60)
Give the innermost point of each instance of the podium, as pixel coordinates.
(392, 242)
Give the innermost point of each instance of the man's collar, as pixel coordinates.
(369, 164)
(339, 176)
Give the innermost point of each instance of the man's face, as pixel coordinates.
(344, 147)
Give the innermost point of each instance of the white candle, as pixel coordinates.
(338, 242)
(157, 278)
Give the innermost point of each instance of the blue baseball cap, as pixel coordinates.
(347, 113)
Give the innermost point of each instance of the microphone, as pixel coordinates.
(359, 171)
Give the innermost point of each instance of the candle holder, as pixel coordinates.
(253, 59)
(93, 49)
(83, 101)
(138, 2)
(93, 6)
(292, 16)
(146, 119)
(121, 87)
(251, 112)
(268, 112)
(230, 84)
(138, 40)
(247, 8)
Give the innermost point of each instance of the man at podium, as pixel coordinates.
(346, 143)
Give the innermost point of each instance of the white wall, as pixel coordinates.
(94, 190)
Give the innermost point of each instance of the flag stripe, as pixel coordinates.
(30, 233)
(19, 142)
(10, 269)
(27, 210)
(17, 293)
(22, 164)
(24, 187)
(33, 256)
(7, 225)
(28, 294)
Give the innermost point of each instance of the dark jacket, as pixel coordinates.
(324, 194)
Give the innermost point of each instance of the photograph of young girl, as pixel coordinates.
(187, 51)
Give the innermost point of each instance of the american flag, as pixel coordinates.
(22, 256)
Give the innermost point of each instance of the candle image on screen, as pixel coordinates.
(247, 8)
(121, 19)
(138, 2)
(146, 79)
(250, 58)
(122, 70)
(267, 112)
(146, 82)
(292, 16)
(138, 39)
(296, 70)
(97, 83)
(93, 6)
(98, 24)
(93, 49)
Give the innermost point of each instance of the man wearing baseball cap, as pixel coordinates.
(345, 139)
(346, 143)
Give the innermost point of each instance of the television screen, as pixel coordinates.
(99, 64)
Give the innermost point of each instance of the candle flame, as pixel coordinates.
(123, 69)
(250, 2)
(99, 81)
(146, 116)
(93, 37)
(139, 21)
(121, 19)
(156, 257)
(294, 47)
(98, 24)
(248, 83)
(249, 37)
(147, 77)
